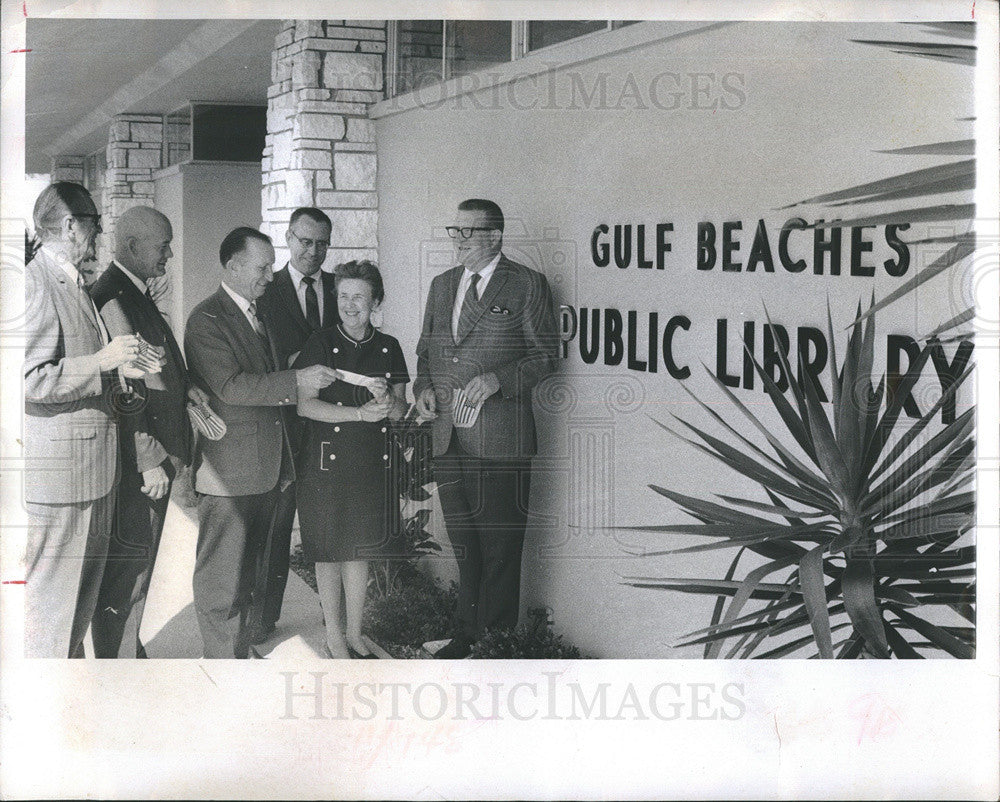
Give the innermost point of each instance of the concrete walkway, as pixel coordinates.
(169, 627)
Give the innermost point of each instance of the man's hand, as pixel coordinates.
(121, 350)
(149, 360)
(197, 395)
(426, 404)
(155, 483)
(376, 409)
(481, 387)
(315, 377)
(379, 388)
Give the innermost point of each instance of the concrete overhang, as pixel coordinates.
(80, 73)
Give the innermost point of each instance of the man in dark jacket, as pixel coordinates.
(153, 429)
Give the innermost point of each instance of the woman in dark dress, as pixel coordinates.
(345, 497)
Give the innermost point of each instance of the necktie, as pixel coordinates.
(261, 329)
(92, 308)
(469, 304)
(312, 303)
(254, 320)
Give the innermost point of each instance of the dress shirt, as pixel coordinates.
(484, 278)
(76, 279)
(244, 306)
(300, 288)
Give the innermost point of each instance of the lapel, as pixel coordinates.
(242, 330)
(79, 299)
(331, 316)
(147, 308)
(453, 278)
(497, 281)
(290, 300)
(131, 296)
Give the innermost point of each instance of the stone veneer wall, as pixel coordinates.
(320, 146)
(135, 152)
(67, 168)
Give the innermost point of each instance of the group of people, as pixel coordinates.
(305, 388)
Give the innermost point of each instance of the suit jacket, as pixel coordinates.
(279, 307)
(228, 360)
(159, 427)
(70, 441)
(513, 334)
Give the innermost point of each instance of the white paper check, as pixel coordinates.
(356, 378)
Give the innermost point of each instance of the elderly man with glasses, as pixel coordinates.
(301, 299)
(73, 371)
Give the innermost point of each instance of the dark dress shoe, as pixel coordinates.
(355, 655)
(455, 649)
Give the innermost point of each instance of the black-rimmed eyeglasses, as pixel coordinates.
(95, 218)
(454, 231)
(321, 244)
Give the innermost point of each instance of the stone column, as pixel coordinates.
(320, 147)
(67, 168)
(135, 152)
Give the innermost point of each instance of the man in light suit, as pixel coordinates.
(302, 299)
(238, 477)
(154, 433)
(71, 375)
(489, 329)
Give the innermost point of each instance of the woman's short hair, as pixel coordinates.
(364, 270)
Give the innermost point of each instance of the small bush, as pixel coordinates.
(532, 641)
(417, 611)
(306, 569)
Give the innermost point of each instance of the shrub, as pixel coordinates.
(417, 610)
(306, 569)
(532, 641)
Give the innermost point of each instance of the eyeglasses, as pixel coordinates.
(96, 218)
(454, 231)
(321, 244)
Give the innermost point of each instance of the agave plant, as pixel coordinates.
(867, 544)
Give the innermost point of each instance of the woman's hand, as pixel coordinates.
(377, 409)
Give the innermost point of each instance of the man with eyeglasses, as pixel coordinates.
(72, 368)
(301, 299)
(489, 336)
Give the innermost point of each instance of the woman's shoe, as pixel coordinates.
(356, 655)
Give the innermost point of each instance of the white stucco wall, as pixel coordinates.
(204, 201)
(808, 109)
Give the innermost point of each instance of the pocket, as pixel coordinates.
(241, 429)
(75, 433)
(236, 453)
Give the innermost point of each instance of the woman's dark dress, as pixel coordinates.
(345, 496)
